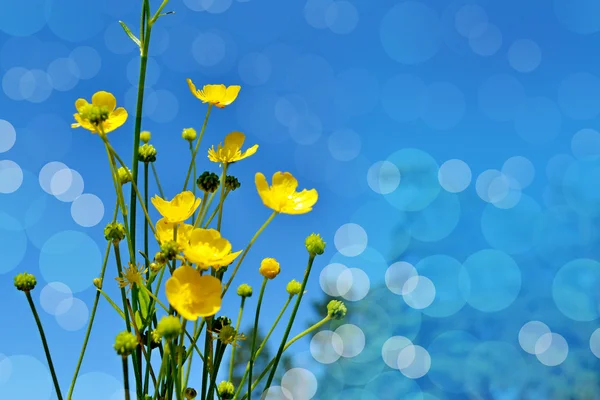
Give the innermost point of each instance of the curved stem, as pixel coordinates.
(237, 329)
(311, 260)
(254, 334)
(187, 178)
(45, 343)
(256, 235)
(222, 198)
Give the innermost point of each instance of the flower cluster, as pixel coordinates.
(195, 262)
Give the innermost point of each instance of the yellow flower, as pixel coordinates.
(269, 268)
(193, 295)
(132, 275)
(282, 197)
(164, 232)
(179, 209)
(100, 116)
(208, 249)
(218, 95)
(232, 151)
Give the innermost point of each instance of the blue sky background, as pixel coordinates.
(365, 102)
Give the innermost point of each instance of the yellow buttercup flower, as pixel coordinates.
(101, 115)
(132, 275)
(208, 249)
(282, 196)
(232, 150)
(179, 209)
(164, 232)
(193, 295)
(218, 95)
(269, 268)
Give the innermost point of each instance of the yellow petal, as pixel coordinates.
(193, 88)
(200, 235)
(249, 152)
(161, 205)
(234, 141)
(116, 119)
(214, 93)
(80, 104)
(106, 99)
(210, 300)
(285, 182)
(231, 94)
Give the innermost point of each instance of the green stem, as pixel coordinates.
(147, 263)
(212, 216)
(207, 358)
(123, 293)
(262, 345)
(180, 359)
(237, 329)
(311, 260)
(162, 194)
(210, 200)
(126, 377)
(161, 373)
(287, 345)
(196, 337)
(193, 185)
(201, 211)
(45, 343)
(256, 235)
(187, 178)
(222, 198)
(220, 350)
(92, 315)
(189, 364)
(254, 334)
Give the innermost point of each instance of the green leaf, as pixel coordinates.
(139, 323)
(144, 300)
(130, 34)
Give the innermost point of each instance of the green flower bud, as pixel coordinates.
(189, 134)
(244, 290)
(97, 283)
(124, 175)
(228, 335)
(315, 244)
(170, 249)
(231, 183)
(190, 393)
(114, 232)
(208, 182)
(25, 282)
(147, 153)
(155, 267)
(125, 343)
(226, 390)
(169, 327)
(145, 136)
(95, 114)
(160, 258)
(155, 336)
(293, 287)
(220, 322)
(336, 309)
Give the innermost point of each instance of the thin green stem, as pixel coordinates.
(237, 329)
(189, 361)
(187, 178)
(222, 198)
(210, 200)
(126, 377)
(220, 350)
(254, 334)
(162, 194)
(256, 235)
(212, 216)
(45, 343)
(263, 344)
(194, 186)
(196, 337)
(201, 211)
(311, 260)
(157, 14)
(180, 358)
(207, 357)
(123, 292)
(162, 371)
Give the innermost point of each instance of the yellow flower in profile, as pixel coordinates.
(208, 249)
(164, 232)
(179, 209)
(102, 115)
(232, 150)
(218, 95)
(132, 275)
(282, 196)
(193, 295)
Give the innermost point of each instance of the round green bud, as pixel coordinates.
(336, 309)
(189, 134)
(124, 175)
(25, 282)
(147, 153)
(160, 258)
(169, 327)
(97, 283)
(228, 335)
(315, 244)
(190, 393)
(226, 390)
(155, 336)
(293, 287)
(208, 182)
(95, 114)
(114, 232)
(155, 267)
(125, 343)
(244, 290)
(170, 249)
(145, 136)
(231, 183)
